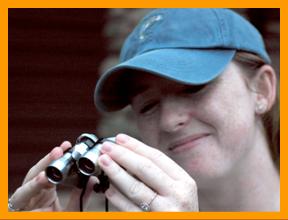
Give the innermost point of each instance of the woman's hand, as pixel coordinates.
(38, 194)
(145, 179)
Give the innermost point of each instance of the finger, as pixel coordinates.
(159, 158)
(25, 193)
(56, 153)
(119, 201)
(131, 187)
(44, 198)
(47, 209)
(52, 208)
(140, 166)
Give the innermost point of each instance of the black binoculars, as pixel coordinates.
(79, 160)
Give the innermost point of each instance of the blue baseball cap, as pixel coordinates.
(190, 46)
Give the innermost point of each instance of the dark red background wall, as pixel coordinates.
(54, 55)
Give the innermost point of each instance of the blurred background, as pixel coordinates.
(55, 59)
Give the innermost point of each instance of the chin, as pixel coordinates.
(206, 173)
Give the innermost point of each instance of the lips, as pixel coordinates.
(187, 143)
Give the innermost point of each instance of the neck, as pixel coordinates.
(252, 186)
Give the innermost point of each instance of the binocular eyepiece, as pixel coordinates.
(82, 159)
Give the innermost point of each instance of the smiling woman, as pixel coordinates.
(197, 101)
(200, 84)
(203, 128)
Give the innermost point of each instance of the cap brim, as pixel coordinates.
(187, 66)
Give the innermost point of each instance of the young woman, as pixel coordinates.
(205, 98)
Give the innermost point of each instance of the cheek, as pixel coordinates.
(235, 121)
(148, 132)
(232, 136)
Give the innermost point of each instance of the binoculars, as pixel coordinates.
(80, 161)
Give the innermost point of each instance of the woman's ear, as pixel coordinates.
(264, 84)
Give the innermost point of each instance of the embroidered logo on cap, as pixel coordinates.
(149, 23)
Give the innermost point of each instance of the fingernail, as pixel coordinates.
(122, 138)
(65, 142)
(105, 160)
(106, 147)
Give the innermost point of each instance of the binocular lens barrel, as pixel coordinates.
(54, 174)
(88, 163)
(86, 166)
(59, 169)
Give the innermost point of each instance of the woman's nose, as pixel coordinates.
(174, 114)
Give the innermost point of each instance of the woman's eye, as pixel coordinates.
(148, 108)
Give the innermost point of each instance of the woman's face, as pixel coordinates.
(208, 130)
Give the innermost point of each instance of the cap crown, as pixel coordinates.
(195, 29)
